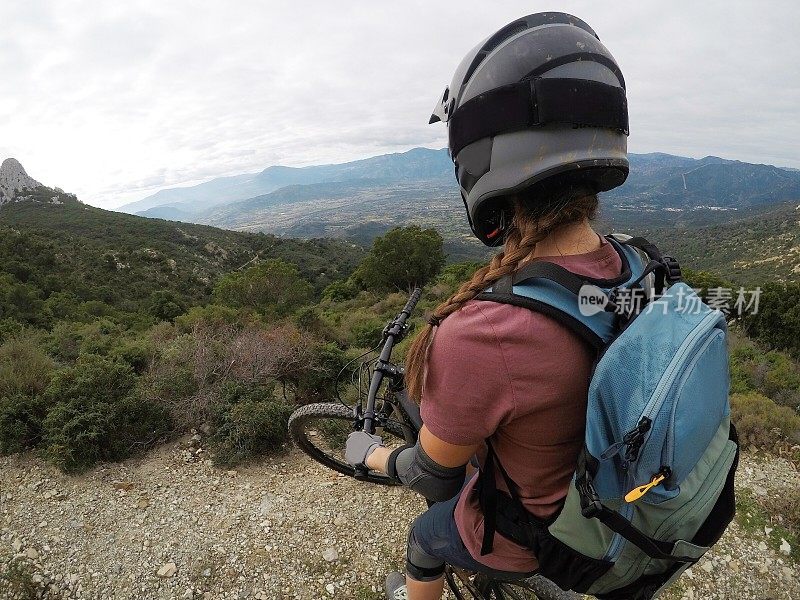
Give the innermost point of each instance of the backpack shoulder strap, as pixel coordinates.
(555, 292)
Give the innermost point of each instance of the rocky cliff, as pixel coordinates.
(14, 179)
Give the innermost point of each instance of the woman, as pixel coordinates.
(537, 125)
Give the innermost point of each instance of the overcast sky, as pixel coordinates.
(115, 100)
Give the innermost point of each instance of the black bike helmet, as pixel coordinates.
(540, 101)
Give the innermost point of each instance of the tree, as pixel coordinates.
(274, 287)
(401, 259)
(777, 322)
(164, 305)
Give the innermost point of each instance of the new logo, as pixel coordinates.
(591, 300)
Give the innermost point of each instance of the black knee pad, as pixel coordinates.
(420, 565)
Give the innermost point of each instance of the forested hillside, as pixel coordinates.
(749, 249)
(66, 255)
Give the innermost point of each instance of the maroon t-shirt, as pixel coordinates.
(520, 378)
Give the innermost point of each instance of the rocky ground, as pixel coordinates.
(169, 525)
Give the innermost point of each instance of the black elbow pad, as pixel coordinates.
(421, 473)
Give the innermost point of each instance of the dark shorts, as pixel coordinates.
(435, 533)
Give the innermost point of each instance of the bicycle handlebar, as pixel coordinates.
(393, 333)
(412, 301)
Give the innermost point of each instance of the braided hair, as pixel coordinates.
(531, 224)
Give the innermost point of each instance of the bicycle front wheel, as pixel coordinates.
(321, 430)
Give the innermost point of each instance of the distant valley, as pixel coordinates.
(669, 196)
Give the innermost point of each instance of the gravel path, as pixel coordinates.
(169, 525)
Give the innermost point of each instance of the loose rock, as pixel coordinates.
(330, 555)
(168, 570)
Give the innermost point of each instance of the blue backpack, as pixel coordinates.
(653, 487)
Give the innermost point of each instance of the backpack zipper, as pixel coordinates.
(664, 386)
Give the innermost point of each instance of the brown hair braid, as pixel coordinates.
(528, 227)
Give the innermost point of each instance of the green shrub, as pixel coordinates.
(80, 432)
(272, 288)
(773, 374)
(96, 415)
(9, 328)
(21, 418)
(138, 353)
(24, 368)
(92, 378)
(96, 309)
(68, 340)
(317, 381)
(761, 422)
(247, 421)
(366, 332)
(455, 274)
(164, 305)
(177, 383)
(310, 319)
(211, 315)
(339, 291)
(62, 306)
(777, 322)
(704, 281)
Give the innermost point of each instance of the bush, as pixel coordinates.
(21, 418)
(704, 281)
(96, 415)
(164, 305)
(317, 382)
(190, 370)
(212, 315)
(761, 422)
(777, 322)
(80, 432)
(9, 328)
(179, 377)
(339, 291)
(366, 332)
(246, 422)
(272, 288)
(455, 274)
(138, 353)
(68, 340)
(773, 374)
(24, 368)
(61, 306)
(310, 319)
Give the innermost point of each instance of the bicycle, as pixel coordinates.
(320, 430)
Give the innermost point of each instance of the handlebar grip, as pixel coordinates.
(412, 301)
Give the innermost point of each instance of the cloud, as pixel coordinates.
(116, 100)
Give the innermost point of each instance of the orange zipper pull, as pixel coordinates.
(640, 491)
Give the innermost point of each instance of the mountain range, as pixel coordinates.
(416, 179)
(417, 164)
(359, 200)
